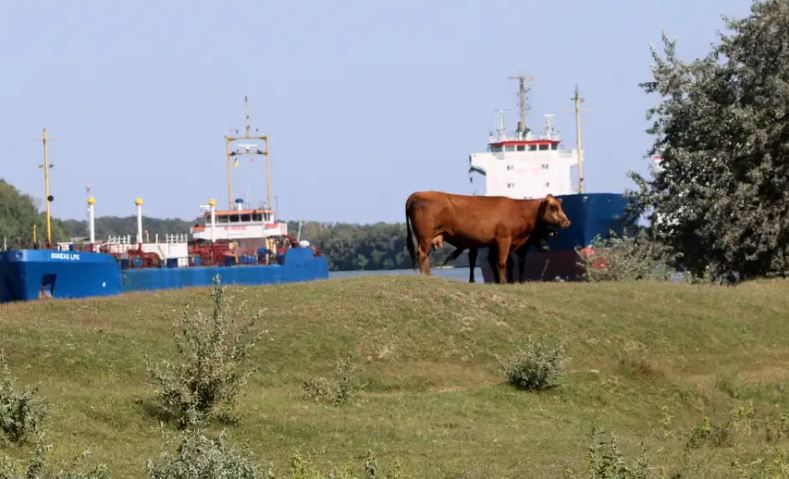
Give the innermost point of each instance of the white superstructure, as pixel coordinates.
(524, 165)
(239, 224)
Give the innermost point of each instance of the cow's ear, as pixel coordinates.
(549, 196)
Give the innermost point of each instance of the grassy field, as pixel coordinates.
(646, 361)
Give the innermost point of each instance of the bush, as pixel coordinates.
(213, 365)
(708, 432)
(199, 457)
(625, 258)
(606, 461)
(343, 388)
(535, 366)
(21, 412)
(36, 470)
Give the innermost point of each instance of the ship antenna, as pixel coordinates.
(523, 106)
(578, 144)
(502, 127)
(246, 117)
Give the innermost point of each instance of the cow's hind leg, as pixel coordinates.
(472, 263)
(503, 246)
(423, 251)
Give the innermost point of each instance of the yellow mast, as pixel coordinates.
(229, 140)
(579, 145)
(48, 198)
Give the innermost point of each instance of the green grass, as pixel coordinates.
(427, 349)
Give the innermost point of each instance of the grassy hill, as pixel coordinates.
(647, 361)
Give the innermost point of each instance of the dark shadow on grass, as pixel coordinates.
(152, 409)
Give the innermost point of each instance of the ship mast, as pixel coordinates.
(48, 198)
(260, 150)
(578, 144)
(523, 107)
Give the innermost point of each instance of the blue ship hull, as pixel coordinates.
(33, 274)
(591, 215)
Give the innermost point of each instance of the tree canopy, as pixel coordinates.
(720, 196)
(18, 214)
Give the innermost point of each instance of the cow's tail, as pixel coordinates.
(409, 236)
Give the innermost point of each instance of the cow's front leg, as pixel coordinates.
(504, 251)
(472, 263)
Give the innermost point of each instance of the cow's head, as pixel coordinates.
(552, 214)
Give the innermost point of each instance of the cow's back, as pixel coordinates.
(472, 218)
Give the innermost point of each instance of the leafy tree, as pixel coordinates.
(720, 197)
(18, 214)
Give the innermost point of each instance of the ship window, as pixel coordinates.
(257, 217)
(521, 147)
(221, 219)
(555, 146)
(495, 149)
(543, 147)
(510, 185)
(246, 218)
(532, 147)
(545, 166)
(510, 167)
(509, 148)
(267, 217)
(547, 184)
(233, 218)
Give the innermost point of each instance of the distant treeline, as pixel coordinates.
(127, 225)
(361, 247)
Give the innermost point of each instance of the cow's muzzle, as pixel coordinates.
(565, 224)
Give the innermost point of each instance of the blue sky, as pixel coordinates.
(364, 102)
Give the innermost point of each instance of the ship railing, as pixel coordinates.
(120, 239)
(176, 238)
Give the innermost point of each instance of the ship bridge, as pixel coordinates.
(239, 224)
(523, 165)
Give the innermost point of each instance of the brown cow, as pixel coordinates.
(476, 221)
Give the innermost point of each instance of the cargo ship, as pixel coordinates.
(241, 245)
(526, 164)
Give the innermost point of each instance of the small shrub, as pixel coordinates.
(624, 258)
(535, 366)
(213, 365)
(302, 467)
(606, 460)
(199, 457)
(21, 412)
(709, 433)
(776, 428)
(35, 469)
(343, 388)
